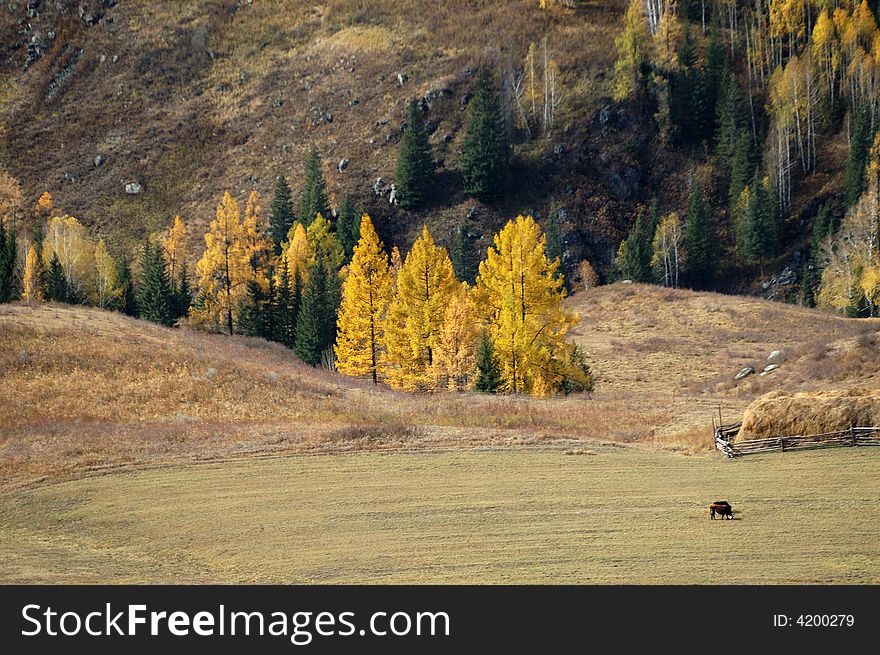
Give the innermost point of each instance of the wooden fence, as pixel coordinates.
(726, 440)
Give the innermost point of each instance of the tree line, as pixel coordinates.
(329, 290)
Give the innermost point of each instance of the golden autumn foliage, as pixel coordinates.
(455, 355)
(176, 245)
(67, 238)
(222, 274)
(324, 246)
(520, 293)
(44, 203)
(32, 291)
(366, 293)
(254, 247)
(296, 253)
(425, 285)
(107, 291)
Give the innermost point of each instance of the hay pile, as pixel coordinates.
(783, 414)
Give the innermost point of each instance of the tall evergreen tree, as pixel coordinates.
(8, 252)
(281, 213)
(823, 228)
(287, 305)
(56, 281)
(634, 256)
(488, 370)
(757, 230)
(741, 166)
(857, 161)
(182, 294)
(712, 79)
(683, 87)
(251, 313)
(155, 300)
(415, 162)
(485, 160)
(316, 322)
(464, 260)
(730, 119)
(348, 226)
(313, 200)
(128, 299)
(700, 242)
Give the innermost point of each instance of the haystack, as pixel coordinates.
(784, 414)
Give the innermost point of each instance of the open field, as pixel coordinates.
(610, 516)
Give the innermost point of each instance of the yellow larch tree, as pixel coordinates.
(324, 245)
(297, 253)
(31, 281)
(425, 285)
(107, 291)
(44, 203)
(221, 283)
(175, 244)
(520, 293)
(456, 350)
(366, 294)
(255, 247)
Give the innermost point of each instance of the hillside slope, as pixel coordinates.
(87, 390)
(191, 98)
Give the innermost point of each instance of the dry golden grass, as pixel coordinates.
(689, 346)
(85, 390)
(789, 414)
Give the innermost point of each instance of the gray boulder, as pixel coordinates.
(744, 373)
(769, 369)
(133, 188)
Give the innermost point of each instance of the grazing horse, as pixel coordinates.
(722, 508)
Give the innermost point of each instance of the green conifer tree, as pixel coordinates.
(281, 213)
(56, 282)
(316, 322)
(701, 243)
(488, 370)
(348, 226)
(634, 256)
(155, 300)
(8, 250)
(741, 166)
(485, 160)
(756, 227)
(823, 227)
(313, 200)
(464, 261)
(857, 160)
(128, 300)
(415, 162)
(250, 316)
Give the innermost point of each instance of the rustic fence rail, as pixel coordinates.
(726, 440)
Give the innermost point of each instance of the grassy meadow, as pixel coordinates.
(135, 453)
(609, 515)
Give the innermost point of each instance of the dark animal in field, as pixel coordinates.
(722, 508)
